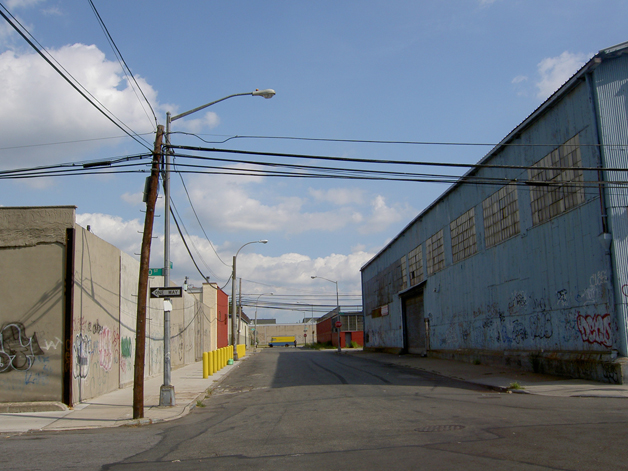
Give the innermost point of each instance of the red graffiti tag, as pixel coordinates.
(596, 329)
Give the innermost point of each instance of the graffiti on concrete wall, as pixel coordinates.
(17, 350)
(596, 329)
(83, 350)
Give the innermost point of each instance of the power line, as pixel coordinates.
(198, 220)
(125, 68)
(22, 31)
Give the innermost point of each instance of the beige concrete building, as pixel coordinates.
(67, 324)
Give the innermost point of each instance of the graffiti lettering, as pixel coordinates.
(541, 326)
(561, 297)
(49, 344)
(595, 329)
(17, 351)
(105, 350)
(519, 333)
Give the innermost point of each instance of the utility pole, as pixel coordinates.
(142, 287)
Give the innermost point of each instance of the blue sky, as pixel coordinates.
(465, 71)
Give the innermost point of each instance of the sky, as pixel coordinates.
(414, 75)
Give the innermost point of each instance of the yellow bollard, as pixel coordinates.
(210, 363)
(215, 360)
(205, 365)
(222, 358)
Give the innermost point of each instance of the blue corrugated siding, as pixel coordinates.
(546, 289)
(611, 85)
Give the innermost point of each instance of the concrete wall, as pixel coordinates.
(70, 338)
(32, 273)
(96, 317)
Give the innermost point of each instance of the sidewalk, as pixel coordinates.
(502, 378)
(116, 408)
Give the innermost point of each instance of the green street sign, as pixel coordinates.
(157, 271)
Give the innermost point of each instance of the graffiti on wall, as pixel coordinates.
(17, 350)
(105, 349)
(595, 329)
(561, 320)
(83, 350)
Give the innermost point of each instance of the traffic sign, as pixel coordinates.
(173, 292)
(339, 324)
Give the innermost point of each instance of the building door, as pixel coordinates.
(415, 334)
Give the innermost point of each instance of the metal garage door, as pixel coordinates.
(415, 334)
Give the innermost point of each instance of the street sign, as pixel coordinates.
(175, 292)
(304, 335)
(157, 271)
(339, 324)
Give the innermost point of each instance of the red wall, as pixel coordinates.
(323, 331)
(223, 319)
(325, 334)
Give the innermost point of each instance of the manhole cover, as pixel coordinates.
(440, 428)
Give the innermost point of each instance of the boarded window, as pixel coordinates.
(501, 216)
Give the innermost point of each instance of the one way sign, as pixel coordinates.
(175, 292)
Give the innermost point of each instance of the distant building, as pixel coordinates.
(303, 332)
(351, 331)
(266, 321)
(523, 261)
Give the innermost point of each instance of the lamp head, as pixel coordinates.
(263, 241)
(266, 93)
(313, 277)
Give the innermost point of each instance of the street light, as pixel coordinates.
(337, 305)
(233, 298)
(166, 396)
(257, 301)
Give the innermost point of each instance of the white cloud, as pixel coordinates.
(126, 235)
(13, 4)
(39, 107)
(210, 120)
(555, 71)
(284, 273)
(339, 196)
(237, 204)
(519, 79)
(382, 215)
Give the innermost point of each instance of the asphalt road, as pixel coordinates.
(288, 408)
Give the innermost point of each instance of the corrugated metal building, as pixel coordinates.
(524, 260)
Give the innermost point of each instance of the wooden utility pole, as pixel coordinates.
(142, 288)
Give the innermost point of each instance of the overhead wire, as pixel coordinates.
(198, 219)
(125, 67)
(71, 80)
(198, 252)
